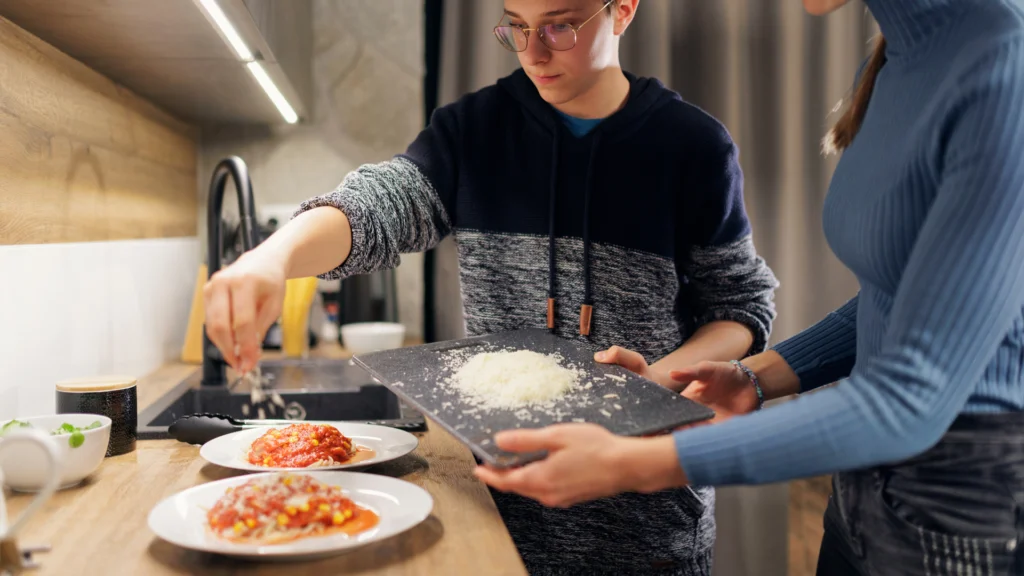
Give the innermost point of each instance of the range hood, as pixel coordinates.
(171, 52)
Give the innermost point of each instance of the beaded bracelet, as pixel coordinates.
(753, 380)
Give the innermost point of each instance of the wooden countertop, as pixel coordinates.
(100, 526)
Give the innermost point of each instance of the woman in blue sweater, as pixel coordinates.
(926, 428)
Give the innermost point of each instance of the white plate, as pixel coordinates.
(230, 450)
(181, 519)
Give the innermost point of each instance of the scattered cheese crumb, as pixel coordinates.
(606, 413)
(614, 377)
(611, 395)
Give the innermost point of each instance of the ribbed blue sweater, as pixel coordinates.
(927, 209)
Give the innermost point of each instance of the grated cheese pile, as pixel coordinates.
(516, 379)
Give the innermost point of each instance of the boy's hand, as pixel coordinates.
(242, 301)
(634, 362)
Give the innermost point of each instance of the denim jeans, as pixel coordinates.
(956, 509)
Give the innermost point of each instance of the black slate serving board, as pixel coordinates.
(639, 407)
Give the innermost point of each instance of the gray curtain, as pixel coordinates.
(771, 74)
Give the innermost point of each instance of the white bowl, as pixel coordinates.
(366, 337)
(24, 467)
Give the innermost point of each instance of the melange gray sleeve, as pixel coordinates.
(731, 282)
(393, 209)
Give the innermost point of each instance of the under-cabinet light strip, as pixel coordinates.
(220, 19)
(273, 93)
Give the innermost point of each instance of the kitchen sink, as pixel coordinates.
(318, 389)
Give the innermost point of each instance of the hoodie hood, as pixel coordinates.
(645, 96)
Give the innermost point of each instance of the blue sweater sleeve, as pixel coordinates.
(826, 351)
(959, 294)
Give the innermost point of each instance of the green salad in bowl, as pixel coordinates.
(81, 441)
(75, 439)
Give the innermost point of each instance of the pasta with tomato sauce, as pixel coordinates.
(284, 507)
(302, 446)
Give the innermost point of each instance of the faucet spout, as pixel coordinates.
(214, 366)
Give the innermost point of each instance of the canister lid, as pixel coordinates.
(96, 384)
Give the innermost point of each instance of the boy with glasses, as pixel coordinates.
(582, 199)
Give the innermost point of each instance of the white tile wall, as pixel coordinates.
(86, 309)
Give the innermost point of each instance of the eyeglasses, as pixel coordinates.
(558, 37)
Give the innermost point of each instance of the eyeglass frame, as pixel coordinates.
(526, 32)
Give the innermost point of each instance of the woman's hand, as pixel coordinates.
(634, 362)
(584, 462)
(720, 386)
(242, 301)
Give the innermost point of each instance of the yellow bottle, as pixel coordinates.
(298, 298)
(192, 349)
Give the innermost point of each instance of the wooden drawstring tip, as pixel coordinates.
(586, 314)
(551, 313)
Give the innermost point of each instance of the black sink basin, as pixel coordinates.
(309, 389)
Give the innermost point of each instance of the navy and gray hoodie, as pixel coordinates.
(642, 219)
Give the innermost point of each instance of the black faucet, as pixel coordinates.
(214, 365)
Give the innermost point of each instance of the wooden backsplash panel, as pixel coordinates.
(83, 159)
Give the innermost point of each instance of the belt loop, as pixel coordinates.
(878, 478)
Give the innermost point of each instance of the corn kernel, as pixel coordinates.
(291, 510)
(238, 527)
(250, 522)
(304, 507)
(293, 439)
(348, 513)
(287, 481)
(338, 518)
(282, 519)
(313, 436)
(315, 442)
(325, 508)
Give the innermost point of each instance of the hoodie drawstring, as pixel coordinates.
(587, 309)
(553, 194)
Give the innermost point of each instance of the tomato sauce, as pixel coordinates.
(300, 446)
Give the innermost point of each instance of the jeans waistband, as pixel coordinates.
(1005, 422)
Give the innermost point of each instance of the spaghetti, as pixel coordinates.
(284, 507)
